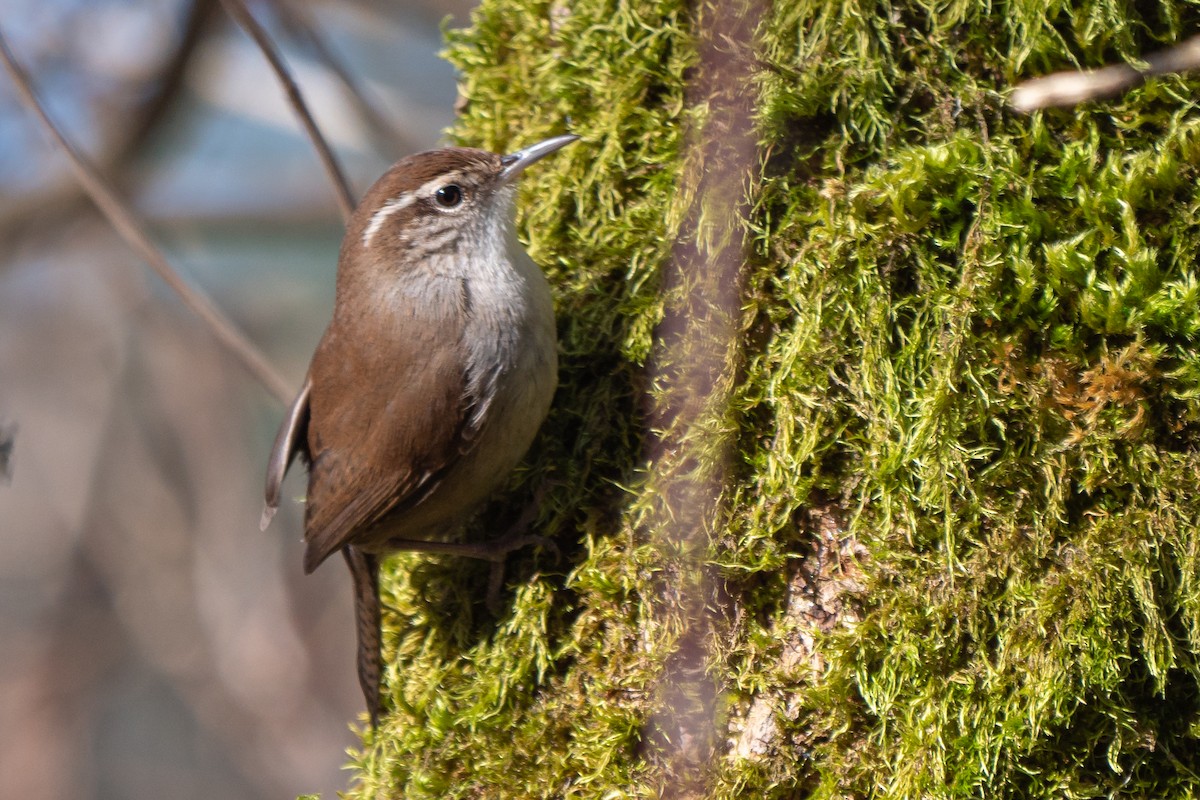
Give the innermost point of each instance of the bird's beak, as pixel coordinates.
(515, 163)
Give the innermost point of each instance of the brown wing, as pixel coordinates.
(388, 417)
(291, 440)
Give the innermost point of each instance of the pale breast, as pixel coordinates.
(512, 372)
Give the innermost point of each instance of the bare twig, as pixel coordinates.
(1066, 89)
(122, 218)
(200, 14)
(300, 24)
(345, 197)
(140, 119)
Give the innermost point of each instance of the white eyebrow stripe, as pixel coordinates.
(405, 200)
(441, 180)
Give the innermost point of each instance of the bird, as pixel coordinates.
(432, 379)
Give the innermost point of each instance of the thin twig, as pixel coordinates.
(141, 120)
(345, 197)
(200, 15)
(1066, 89)
(123, 219)
(300, 24)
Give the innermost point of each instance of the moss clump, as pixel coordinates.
(969, 338)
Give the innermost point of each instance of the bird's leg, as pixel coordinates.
(495, 551)
(364, 569)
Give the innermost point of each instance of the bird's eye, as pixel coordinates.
(448, 196)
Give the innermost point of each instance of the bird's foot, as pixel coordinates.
(499, 551)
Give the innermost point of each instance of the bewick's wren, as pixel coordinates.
(431, 380)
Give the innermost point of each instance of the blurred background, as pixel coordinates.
(154, 643)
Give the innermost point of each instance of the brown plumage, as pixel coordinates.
(432, 378)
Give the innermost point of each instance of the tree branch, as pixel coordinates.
(298, 21)
(200, 15)
(121, 216)
(345, 197)
(1066, 89)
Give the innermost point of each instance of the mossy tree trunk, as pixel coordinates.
(874, 460)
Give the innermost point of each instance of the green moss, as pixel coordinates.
(970, 336)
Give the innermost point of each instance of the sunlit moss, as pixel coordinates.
(973, 333)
